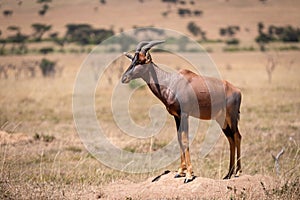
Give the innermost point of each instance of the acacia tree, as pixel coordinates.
(45, 6)
(230, 32)
(18, 38)
(59, 41)
(44, 10)
(7, 13)
(40, 30)
(196, 30)
(3, 43)
(262, 39)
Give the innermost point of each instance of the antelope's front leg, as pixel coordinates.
(182, 169)
(183, 139)
(189, 171)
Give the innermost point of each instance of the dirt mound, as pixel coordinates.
(13, 138)
(168, 187)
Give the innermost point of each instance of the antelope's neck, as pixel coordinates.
(161, 83)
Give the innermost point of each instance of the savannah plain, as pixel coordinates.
(42, 156)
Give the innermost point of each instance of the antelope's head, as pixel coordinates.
(139, 61)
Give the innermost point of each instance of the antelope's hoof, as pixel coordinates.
(237, 174)
(227, 177)
(179, 175)
(187, 180)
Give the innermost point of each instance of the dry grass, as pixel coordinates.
(53, 163)
(41, 155)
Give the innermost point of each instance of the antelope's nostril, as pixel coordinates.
(125, 79)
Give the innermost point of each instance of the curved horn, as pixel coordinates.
(128, 55)
(140, 45)
(151, 44)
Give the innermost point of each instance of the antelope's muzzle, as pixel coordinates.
(125, 79)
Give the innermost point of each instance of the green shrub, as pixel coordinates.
(288, 48)
(47, 67)
(46, 50)
(232, 41)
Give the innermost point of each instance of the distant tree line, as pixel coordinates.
(274, 33)
(170, 1)
(81, 34)
(183, 10)
(84, 34)
(182, 2)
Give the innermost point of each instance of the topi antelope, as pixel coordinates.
(215, 99)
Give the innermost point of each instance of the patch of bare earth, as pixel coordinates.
(168, 187)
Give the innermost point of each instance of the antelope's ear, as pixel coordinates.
(148, 57)
(129, 56)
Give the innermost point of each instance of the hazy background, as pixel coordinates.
(255, 45)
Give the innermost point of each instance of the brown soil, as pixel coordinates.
(168, 187)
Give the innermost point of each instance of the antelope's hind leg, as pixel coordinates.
(230, 137)
(234, 139)
(237, 141)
